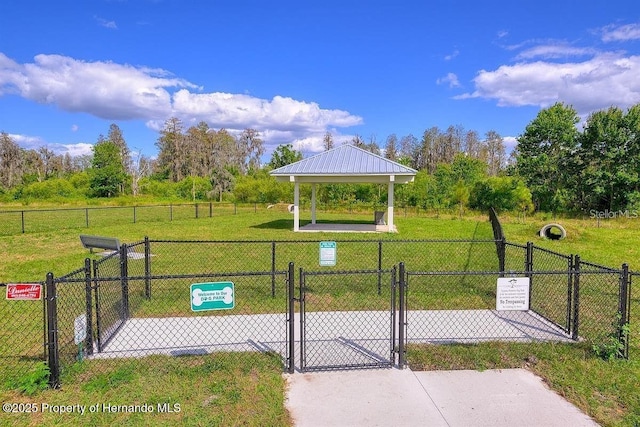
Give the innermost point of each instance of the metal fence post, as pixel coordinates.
(401, 319)
(52, 332)
(273, 268)
(96, 285)
(134, 214)
(576, 297)
(528, 267)
(292, 315)
(623, 310)
(89, 306)
(379, 267)
(210, 209)
(86, 216)
(196, 211)
(569, 293)
(22, 216)
(124, 281)
(147, 268)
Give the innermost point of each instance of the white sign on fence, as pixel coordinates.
(512, 293)
(80, 329)
(328, 253)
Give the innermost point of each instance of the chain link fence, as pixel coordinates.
(22, 336)
(38, 220)
(139, 301)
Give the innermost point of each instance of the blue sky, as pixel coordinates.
(295, 70)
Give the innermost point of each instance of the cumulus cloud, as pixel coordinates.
(124, 92)
(596, 83)
(451, 79)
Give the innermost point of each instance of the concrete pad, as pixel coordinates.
(509, 397)
(384, 397)
(381, 397)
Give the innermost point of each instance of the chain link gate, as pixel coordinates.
(347, 319)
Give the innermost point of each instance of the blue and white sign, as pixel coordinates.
(328, 254)
(212, 296)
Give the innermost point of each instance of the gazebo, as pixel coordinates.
(343, 164)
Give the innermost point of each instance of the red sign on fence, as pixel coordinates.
(23, 291)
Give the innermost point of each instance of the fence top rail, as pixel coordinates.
(510, 273)
(334, 240)
(598, 266)
(550, 252)
(344, 272)
(85, 208)
(515, 245)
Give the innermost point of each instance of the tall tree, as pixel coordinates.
(327, 141)
(357, 141)
(609, 153)
(496, 153)
(11, 161)
(170, 152)
(391, 147)
(251, 148)
(546, 154)
(406, 150)
(426, 157)
(107, 175)
(284, 155)
(115, 135)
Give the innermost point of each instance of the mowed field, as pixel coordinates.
(605, 390)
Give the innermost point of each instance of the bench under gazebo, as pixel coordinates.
(344, 164)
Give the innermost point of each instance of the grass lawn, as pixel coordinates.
(220, 389)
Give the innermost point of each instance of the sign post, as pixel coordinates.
(212, 296)
(512, 293)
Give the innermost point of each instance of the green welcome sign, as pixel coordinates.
(212, 296)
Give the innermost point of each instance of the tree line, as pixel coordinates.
(554, 166)
(593, 169)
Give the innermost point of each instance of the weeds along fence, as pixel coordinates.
(100, 309)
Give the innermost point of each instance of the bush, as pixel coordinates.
(501, 193)
(49, 189)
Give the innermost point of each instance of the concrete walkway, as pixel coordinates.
(393, 397)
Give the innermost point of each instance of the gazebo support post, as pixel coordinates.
(313, 203)
(390, 204)
(296, 206)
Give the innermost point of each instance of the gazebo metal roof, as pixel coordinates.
(347, 164)
(345, 160)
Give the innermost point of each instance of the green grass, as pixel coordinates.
(605, 390)
(221, 389)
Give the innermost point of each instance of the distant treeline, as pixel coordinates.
(554, 167)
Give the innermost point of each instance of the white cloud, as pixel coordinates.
(451, 79)
(35, 142)
(593, 84)
(452, 55)
(558, 50)
(124, 92)
(616, 33)
(105, 23)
